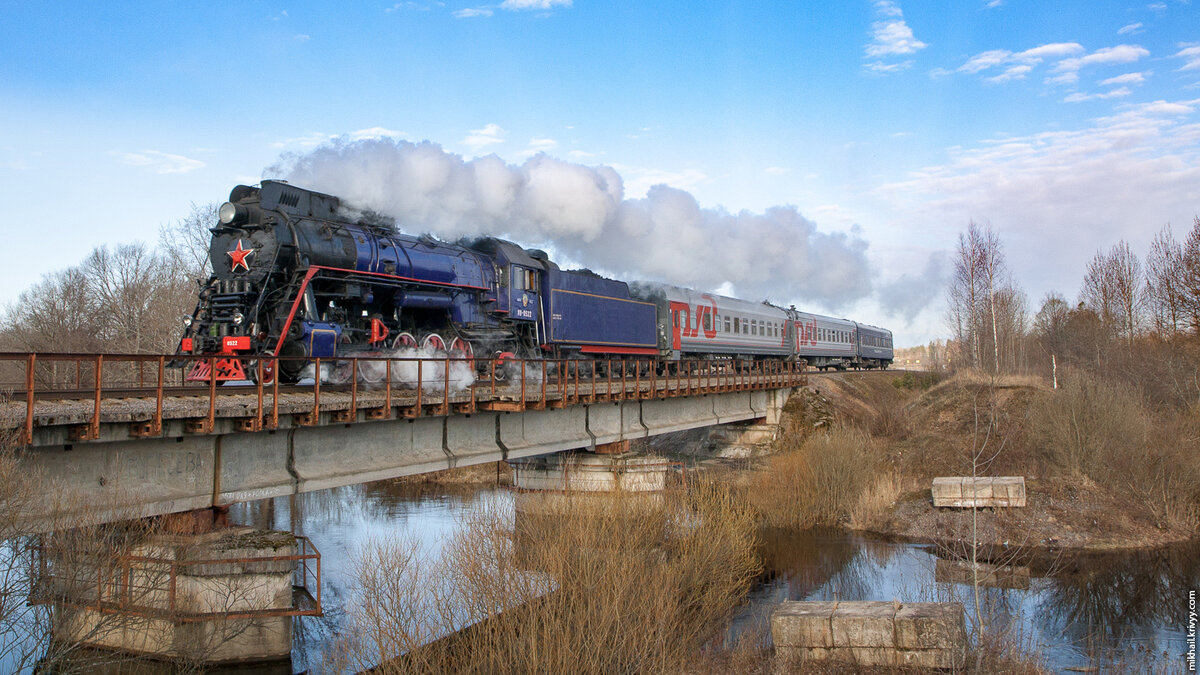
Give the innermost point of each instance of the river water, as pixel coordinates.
(1126, 609)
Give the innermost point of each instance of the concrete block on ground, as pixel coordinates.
(983, 492)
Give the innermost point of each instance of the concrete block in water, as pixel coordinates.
(803, 624)
(863, 624)
(928, 635)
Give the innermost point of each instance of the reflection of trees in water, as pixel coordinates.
(813, 560)
(338, 517)
(1101, 600)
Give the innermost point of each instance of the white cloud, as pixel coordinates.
(1012, 73)
(639, 180)
(1157, 6)
(890, 37)
(1103, 56)
(160, 162)
(1019, 64)
(1127, 78)
(520, 5)
(414, 6)
(581, 154)
(893, 38)
(1191, 54)
(301, 37)
(1131, 28)
(1036, 54)
(537, 145)
(490, 134)
(992, 4)
(881, 67)
(776, 170)
(985, 60)
(469, 13)
(376, 132)
(310, 140)
(1080, 97)
(1063, 192)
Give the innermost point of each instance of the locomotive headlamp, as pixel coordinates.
(231, 213)
(237, 318)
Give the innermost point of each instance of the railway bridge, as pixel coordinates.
(123, 436)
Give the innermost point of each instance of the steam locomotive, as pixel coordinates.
(298, 274)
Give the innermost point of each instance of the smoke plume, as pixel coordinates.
(580, 211)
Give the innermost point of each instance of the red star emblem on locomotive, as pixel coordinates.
(239, 256)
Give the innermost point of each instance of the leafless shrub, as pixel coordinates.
(1105, 433)
(819, 483)
(618, 583)
(1087, 426)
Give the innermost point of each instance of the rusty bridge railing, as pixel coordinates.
(380, 387)
(149, 586)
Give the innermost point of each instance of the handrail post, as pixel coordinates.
(316, 412)
(258, 390)
(387, 389)
(275, 375)
(354, 389)
(420, 384)
(446, 387)
(523, 361)
(29, 385)
(95, 423)
(158, 395)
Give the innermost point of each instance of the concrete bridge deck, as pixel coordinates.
(120, 457)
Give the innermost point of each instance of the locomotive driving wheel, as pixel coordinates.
(433, 342)
(404, 341)
(461, 348)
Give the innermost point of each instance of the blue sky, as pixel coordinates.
(1065, 125)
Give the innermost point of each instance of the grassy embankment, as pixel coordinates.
(1104, 469)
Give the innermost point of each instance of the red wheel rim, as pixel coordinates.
(404, 340)
(460, 347)
(434, 341)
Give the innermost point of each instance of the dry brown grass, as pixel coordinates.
(1103, 432)
(818, 483)
(621, 583)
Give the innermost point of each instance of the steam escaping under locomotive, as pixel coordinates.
(298, 274)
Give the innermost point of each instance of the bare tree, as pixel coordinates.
(186, 241)
(966, 291)
(1189, 285)
(1097, 291)
(986, 309)
(994, 272)
(1050, 328)
(125, 299)
(1125, 271)
(1164, 277)
(56, 314)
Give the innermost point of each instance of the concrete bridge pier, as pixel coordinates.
(196, 592)
(611, 468)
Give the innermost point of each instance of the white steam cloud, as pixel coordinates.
(580, 211)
